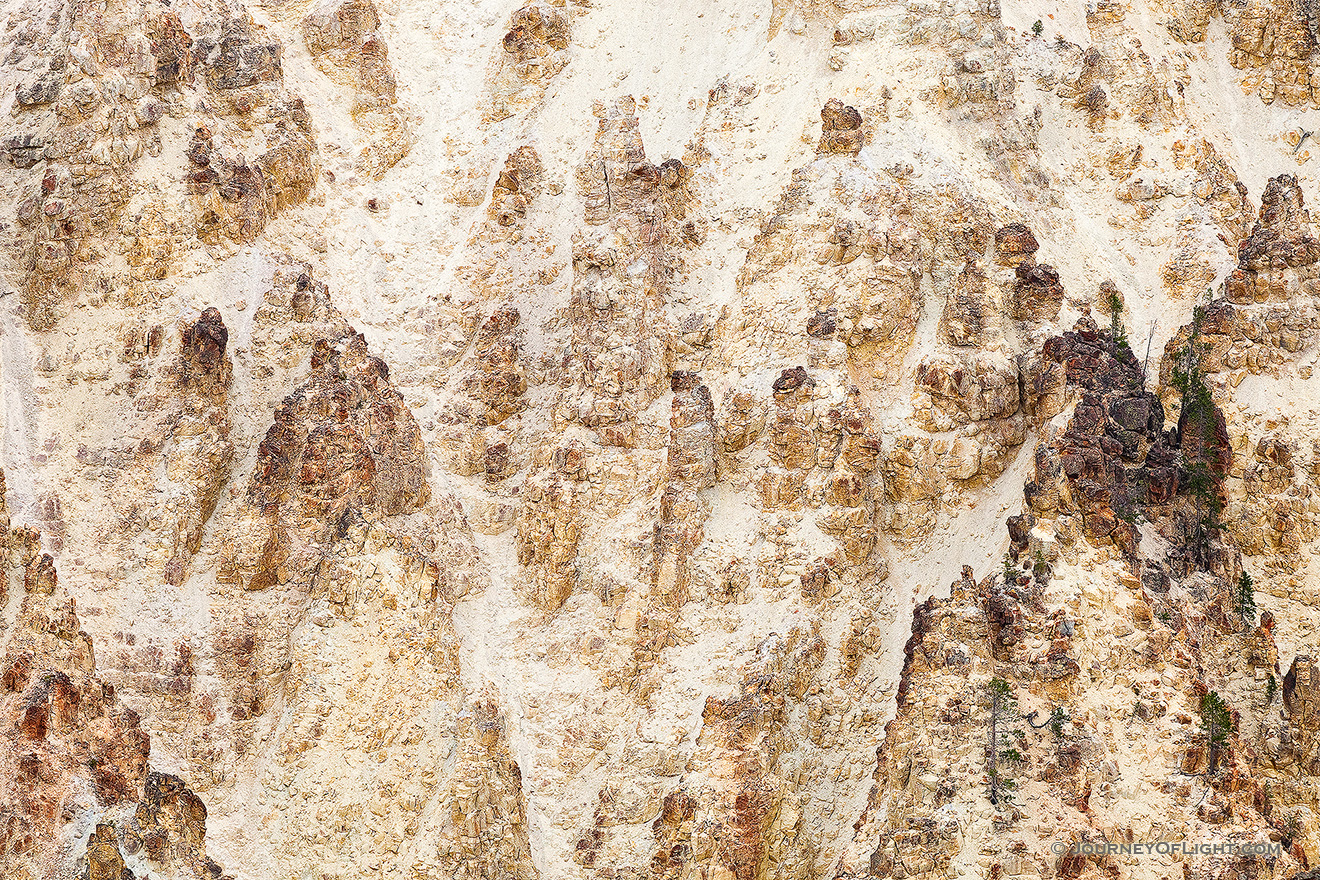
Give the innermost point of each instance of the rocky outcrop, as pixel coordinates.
(691, 468)
(1015, 244)
(499, 380)
(343, 37)
(519, 182)
(550, 524)
(485, 833)
(1282, 237)
(343, 441)
(109, 78)
(840, 129)
(74, 757)
(618, 353)
(534, 49)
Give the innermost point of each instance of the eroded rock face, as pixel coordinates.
(518, 183)
(108, 78)
(343, 441)
(344, 39)
(1116, 457)
(608, 574)
(1282, 236)
(840, 129)
(74, 754)
(1014, 244)
(499, 380)
(486, 833)
(535, 48)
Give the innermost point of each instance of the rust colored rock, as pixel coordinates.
(104, 861)
(683, 380)
(344, 440)
(690, 468)
(816, 581)
(35, 721)
(1015, 244)
(841, 129)
(1114, 456)
(17, 673)
(172, 821)
(76, 754)
(172, 47)
(968, 312)
(205, 366)
(497, 461)
(347, 25)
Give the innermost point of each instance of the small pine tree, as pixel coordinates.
(1040, 569)
(1057, 719)
(1010, 572)
(1038, 28)
(1198, 415)
(1117, 330)
(1246, 597)
(1217, 722)
(1003, 709)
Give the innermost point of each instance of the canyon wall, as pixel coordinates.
(706, 441)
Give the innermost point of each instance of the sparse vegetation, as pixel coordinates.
(1038, 28)
(1003, 708)
(1113, 301)
(1040, 569)
(1057, 719)
(1271, 688)
(1289, 827)
(1011, 571)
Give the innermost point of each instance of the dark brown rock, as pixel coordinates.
(1037, 293)
(204, 365)
(823, 324)
(1301, 693)
(841, 129)
(791, 380)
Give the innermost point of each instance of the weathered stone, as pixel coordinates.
(840, 129)
(1014, 244)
